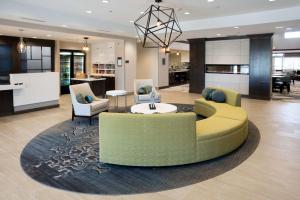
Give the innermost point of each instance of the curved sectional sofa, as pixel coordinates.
(176, 138)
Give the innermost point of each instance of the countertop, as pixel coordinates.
(88, 79)
(11, 87)
(178, 71)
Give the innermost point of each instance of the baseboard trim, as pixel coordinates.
(36, 107)
(164, 87)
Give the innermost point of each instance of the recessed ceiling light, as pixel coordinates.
(272, 0)
(278, 27)
(105, 1)
(63, 25)
(88, 11)
(34, 37)
(142, 12)
(295, 34)
(236, 27)
(187, 13)
(288, 28)
(218, 34)
(49, 35)
(131, 21)
(210, 0)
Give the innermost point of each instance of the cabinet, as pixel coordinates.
(227, 51)
(110, 83)
(6, 102)
(103, 69)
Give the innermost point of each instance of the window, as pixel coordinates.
(37, 59)
(282, 63)
(291, 63)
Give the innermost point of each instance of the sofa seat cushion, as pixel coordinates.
(144, 97)
(230, 112)
(216, 127)
(99, 104)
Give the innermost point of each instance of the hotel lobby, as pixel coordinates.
(161, 100)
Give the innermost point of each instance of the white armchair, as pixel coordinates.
(86, 110)
(145, 98)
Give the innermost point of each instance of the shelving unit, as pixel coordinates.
(103, 70)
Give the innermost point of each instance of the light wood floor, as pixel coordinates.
(272, 172)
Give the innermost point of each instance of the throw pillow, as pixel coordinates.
(204, 92)
(89, 99)
(141, 91)
(209, 94)
(148, 89)
(218, 96)
(80, 98)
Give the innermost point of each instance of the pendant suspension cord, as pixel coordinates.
(158, 11)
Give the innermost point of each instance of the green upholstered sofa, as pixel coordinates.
(172, 139)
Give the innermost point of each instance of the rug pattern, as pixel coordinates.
(66, 156)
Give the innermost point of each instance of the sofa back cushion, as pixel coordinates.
(147, 140)
(232, 97)
(218, 96)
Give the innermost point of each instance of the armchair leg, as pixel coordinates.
(90, 118)
(73, 114)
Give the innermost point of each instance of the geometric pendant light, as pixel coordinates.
(21, 45)
(158, 26)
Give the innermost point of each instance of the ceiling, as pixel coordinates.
(61, 17)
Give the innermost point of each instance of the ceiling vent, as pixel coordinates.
(102, 30)
(33, 20)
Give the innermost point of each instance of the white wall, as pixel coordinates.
(150, 65)
(107, 51)
(228, 51)
(163, 70)
(185, 56)
(130, 68)
(147, 64)
(120, 71)
(180, 46)
(279, 42)
(103, 52)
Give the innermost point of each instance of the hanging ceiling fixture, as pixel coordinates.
(167, 50)
(85, 44)
(21, 45)
(158, 26)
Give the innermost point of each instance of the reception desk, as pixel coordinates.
(29, 91)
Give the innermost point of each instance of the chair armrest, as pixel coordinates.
(82, 109)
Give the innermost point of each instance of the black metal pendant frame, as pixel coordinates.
(154, 36)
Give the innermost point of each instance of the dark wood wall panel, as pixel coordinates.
(16, 57)
(197, 65)
(260, 77)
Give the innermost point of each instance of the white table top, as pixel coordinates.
(11, 87)
(88, 79)
(160, 108)
(115, 93)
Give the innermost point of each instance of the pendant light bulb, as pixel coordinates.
(21, 45)
(85, 44)
(158, 23)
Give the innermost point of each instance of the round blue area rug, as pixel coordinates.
(66, 156)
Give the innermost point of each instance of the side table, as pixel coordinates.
(116, 94)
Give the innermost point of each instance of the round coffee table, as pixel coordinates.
(143, 108)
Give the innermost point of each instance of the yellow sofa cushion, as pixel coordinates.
(232, 97)
(214, 127)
